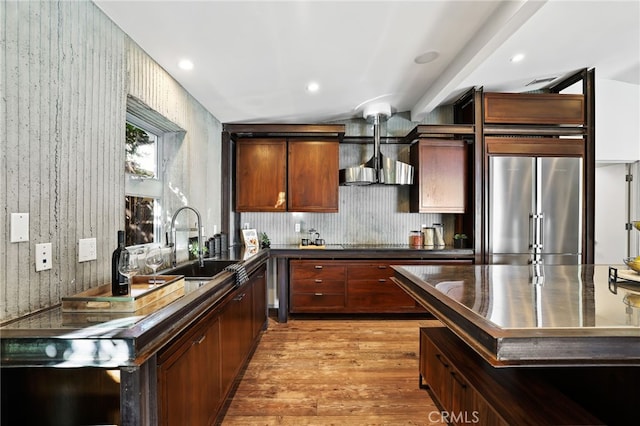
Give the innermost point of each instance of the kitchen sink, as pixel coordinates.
(193, 270)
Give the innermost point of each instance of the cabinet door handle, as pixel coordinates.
(239, 297)
(382, 266)
(459, 380)
(318, 266)
(382, 280)
(318, 294)
(317, 281)
(200, 339)
(441, 359)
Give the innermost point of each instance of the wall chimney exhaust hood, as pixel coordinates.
(378, 169)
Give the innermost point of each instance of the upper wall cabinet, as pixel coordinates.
(313, 176)
(441, 176)
(261, 175)
(276, 174)
(533, 108)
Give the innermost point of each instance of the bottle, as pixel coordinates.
(118, 281)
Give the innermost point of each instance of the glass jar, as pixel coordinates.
(415, 239)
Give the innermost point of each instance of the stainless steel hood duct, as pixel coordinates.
(378, 169)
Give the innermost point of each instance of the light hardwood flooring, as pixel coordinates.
(334, 372)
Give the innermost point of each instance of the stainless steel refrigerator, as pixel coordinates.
(535, 210)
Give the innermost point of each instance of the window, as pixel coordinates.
(143, 183)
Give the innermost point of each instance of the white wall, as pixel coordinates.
(610, 214)
(617, 121)
(617, 149)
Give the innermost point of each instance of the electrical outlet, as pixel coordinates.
(87, 250)
(43, 257)
(297, 228)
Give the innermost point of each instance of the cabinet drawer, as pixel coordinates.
(369, 272)
(317, 285)
(317, 271)
(305, 302)
(373, 294)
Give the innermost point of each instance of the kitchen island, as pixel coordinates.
(129, 368)
(576, 328)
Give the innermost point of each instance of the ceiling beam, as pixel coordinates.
(504, 22)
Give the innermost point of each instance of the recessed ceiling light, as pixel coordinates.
(426, 57)
(313, 87)
(517, 57)
(185, 64)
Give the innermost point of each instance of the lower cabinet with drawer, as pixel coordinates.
(350, 286)
(470, 391)
(316, 286)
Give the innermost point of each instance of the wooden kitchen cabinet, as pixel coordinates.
(470, 391)
(370, 289)
(189, 376)
(261, 175)
(259, 294)
(534, 108)
(313, 176)
(196, 373)
(441, 181)
(350, 286)
(236, 331)
(276, 174)
(316, 286)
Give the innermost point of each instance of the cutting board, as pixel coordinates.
(143, 293)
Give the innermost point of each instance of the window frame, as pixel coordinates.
(140, 186)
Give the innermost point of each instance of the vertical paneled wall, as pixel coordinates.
(65, 73)
(63, 89)
(190, 166)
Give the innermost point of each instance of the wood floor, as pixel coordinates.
(334, 372)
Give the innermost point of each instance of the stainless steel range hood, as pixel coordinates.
(378, 169)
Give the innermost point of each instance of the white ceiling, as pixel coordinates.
(253, 60)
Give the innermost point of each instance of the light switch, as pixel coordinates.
(87, 250)
(19, 227)
(43, 256)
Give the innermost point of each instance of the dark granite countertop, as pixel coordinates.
(569, 314)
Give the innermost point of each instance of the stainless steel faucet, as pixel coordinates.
(173, 234)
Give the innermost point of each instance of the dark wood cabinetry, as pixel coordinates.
(370, 289)
(317, 286)
(196, 373)
(287, 175)
(189, 375)
(441, 177)
(313, 176)
(261, 175)
(469, 390)
(350, 286)
(534, 108)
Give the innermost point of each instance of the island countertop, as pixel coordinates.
(516, 316)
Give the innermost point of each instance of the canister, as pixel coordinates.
(415, 239)
(428, 232)
(438, 235)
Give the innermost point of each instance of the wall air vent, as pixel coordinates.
(540, 80)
